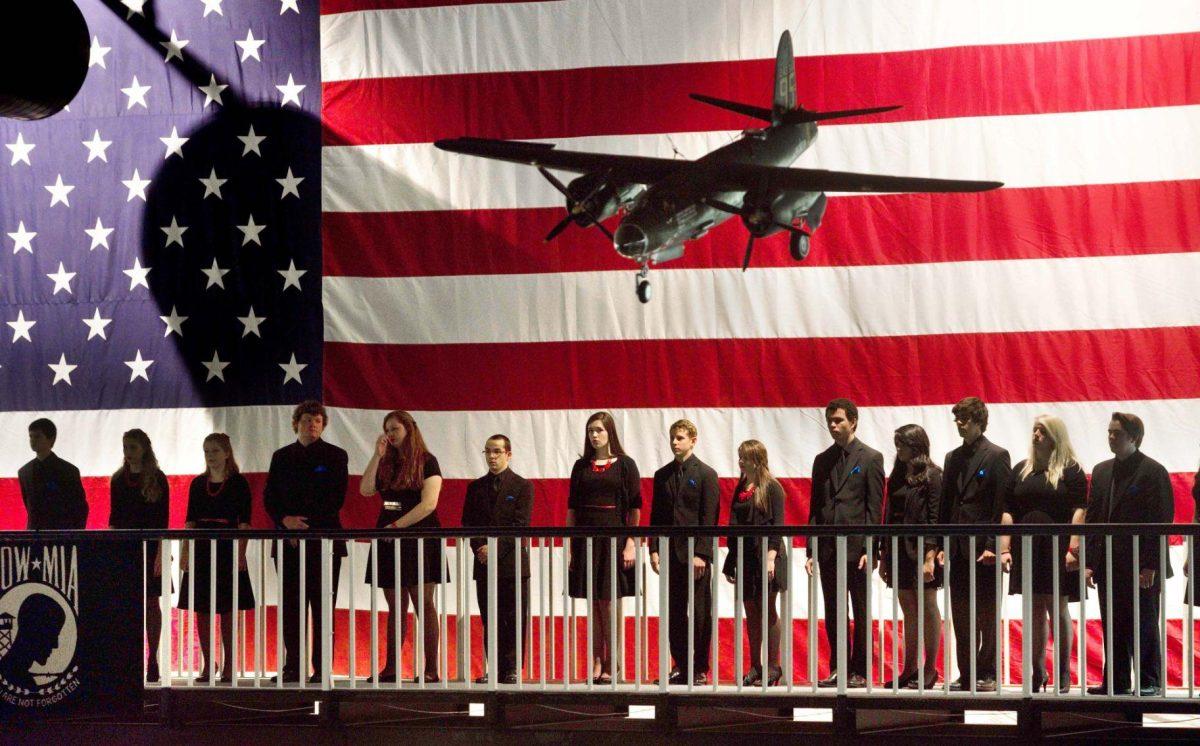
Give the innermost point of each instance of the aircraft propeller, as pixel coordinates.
(741, 212)
(577, 207)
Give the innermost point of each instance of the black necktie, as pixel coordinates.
(495, 485)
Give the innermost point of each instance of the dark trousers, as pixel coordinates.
(680, 575)
(1123, 630)
(506, 629)
(856, 586)
(983, 647)
(293, 668)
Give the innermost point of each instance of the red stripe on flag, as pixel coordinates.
(964, 81)
(330, 7)
(767, 372)
(1051, 222)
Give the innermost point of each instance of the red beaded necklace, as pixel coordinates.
(601, 468)
(745, 494)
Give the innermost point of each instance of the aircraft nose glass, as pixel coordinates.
(630, 239)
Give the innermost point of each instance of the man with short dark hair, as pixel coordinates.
(305, 490)
(1129, 488)
(847, 489)
(686, 494)
(501, 498)
(974, 476)
(50, 487)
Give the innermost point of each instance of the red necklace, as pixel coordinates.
(745, 494)
(208, 483)
(601, 468)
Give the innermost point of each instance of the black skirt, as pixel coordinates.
(908, 568)
(201, 565)
(600, 570)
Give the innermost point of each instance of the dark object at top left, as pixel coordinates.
(43, 58)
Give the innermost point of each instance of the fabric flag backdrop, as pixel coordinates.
(182, 262)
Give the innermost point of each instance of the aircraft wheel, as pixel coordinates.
(643, 291)
(799, 246)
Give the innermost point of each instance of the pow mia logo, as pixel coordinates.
(39, 608)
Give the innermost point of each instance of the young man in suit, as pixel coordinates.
(973, 478)
(501, 498)
(50, 487)
(1129, 488)
(847, 489)
(686, 494)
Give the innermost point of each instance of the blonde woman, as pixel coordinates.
(1047, 487)
(758, 500)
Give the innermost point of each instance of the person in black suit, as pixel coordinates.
(305, 489)
(847, 489)
(1047, 487)
(686, 494)
(501, 498)
(50, 487)
(1130, 488)
(914, 494)
(1189, 562)
(758, 500)
(973, 478)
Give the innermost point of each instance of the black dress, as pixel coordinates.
(1033, 500)
(744, 512)
(216, 506)
(909, 505)
(395, 504)
(129, 509)
(602, 496)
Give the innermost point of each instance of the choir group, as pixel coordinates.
(307, 482)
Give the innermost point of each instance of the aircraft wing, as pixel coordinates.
(714, 174)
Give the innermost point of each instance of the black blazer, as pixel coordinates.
(773, 516)
(1148, 498)
(971, 492)
(308, 481)
(697, 503)
(921, 508)
(512, 506)
(851, 498)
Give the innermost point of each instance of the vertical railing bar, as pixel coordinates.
(1083, 633)
(237, 655)
(789, 637)
(374, 612)
(714, 664)
(920, 586)
(396, 615)
(812, 613)
(739, 601)
(166, 549)
(614, 610)
(764, 664)
(1056, 623)
(896, 614)
(1026, 615)
(591, 612)
(1108, 653)
(1137, 618)
(328, 600)
(352, 663)
(870, 620)
(638, 609)
(279, 612)
(664, 613)
(493, 604)
(972, 632)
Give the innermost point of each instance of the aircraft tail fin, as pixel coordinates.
(784, 99)
(751, 111)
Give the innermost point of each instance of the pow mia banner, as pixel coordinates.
(70, 627)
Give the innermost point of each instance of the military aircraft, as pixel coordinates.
(668, 202)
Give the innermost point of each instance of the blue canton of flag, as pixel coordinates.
(161, 241)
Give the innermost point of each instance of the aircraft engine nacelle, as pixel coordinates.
(593, 194)
(763, 214)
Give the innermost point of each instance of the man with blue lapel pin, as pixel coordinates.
(847, 490)
(501, 498)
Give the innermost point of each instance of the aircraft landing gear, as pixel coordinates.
(799, 246)
(643, 284)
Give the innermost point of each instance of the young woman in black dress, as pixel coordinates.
(758, 500)
(605, 491)
(1047, 487)
(139, 498)
(407, 478)
(217, 499)
(914, 493)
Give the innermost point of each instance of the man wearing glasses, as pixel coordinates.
(501, 498)
(975, 475)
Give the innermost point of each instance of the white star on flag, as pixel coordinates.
(96, 53)
(290, 184)
(137, 275)
(250, 231)
(21, 327)
(291, 275)
(285, 5)
(212, 6)
(251, 323)
(62, 370)
(174, 47)
(174, 143)
(96, 325)
(250, 46)
(174, 232)
(291, 370)
(174, 323)
(62, 279)
(136, 186)
(135, 8)
(215, 275)
(212, 185)
(22, 239)
(212, 91)
(97, 148)
(250, 142)
(136, 93)
(215, 367)
(20, 150)
(291, 91)
(99, 235)
(59, 191)
(139, 368)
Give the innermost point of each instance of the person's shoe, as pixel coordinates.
(1102, 691)
(830, 681)
(510, 678)
(433, 679)
(226, 676)
(1064, 686)
(289, 677)
(152, 676)
(985, 685)
(931, 682)
(1150, 691)
(677, 677)
(902, 681)
(387, 676)
(754, 678)
(481, 679)
(957, 686)
(774, 675)
(856, 681)
(701, 679)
